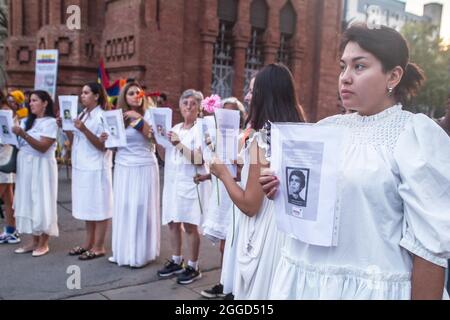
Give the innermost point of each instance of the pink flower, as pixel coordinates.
(212, 103)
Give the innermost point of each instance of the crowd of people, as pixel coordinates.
(393, 194)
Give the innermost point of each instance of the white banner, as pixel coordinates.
(305, 158)
(46, 71)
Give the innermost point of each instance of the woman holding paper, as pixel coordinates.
(136, 220)
(257, 243)
(394, 197)
(91, 172)
(10, 234)
(184, 201)
(37, 176)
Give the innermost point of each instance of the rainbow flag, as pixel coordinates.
(113, 90)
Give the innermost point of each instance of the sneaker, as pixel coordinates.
(189, 275)
(8, 238)
(171, 268)
(229, 296)
(214, 293)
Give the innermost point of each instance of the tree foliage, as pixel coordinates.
(429, 52)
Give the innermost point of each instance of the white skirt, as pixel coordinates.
(219, 214)
(136, 223)
(35, 200)
(92, 197)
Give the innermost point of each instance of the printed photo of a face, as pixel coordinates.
(5, 130)
(67, 115)
(297, 182)
(161, 130)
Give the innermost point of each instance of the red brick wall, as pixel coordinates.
(172, 50)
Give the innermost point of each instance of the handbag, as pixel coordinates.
(8, 159)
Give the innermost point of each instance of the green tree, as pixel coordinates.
(428, 51)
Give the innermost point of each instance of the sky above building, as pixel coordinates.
(416, 7)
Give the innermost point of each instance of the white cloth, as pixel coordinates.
(180, 198)
(136, 219)
(220, 209)
(394, 201)
(92, 195)
(6, 178)
(136, 222)
(35, 200)
(256, 245)
(139, 150)
(42, 128)
(85, 156)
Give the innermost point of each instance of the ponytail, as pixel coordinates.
(410, 84)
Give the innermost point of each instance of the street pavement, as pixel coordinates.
(23, 277)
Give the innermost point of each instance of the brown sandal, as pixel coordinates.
(77, 251)
(90, 255)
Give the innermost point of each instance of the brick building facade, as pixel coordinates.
(172, 45)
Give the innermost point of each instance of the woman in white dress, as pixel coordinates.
(183, 201)
(257, 243)
(136, 218)
(10, 234)
(35, 199)
(393, 196)
(219, 217)
(92, 195)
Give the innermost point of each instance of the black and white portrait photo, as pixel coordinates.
(297, 186)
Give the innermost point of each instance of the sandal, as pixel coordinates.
(90, 255)
(77, 251)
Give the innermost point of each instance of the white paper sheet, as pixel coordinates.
(115, 128)
(305, 158)
(228, 125)
(161, 125)
(6, 124)
(68, 106)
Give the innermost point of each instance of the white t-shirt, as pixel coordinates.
(42, 128)
(139, 150)
(85, 156)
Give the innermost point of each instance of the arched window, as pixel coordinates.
(254, 56)
(223, 64)
(288, 20)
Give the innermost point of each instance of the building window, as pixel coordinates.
(254, 56)
(288, 20)
(222, 69)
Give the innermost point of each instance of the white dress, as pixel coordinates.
(6, 178)
(394, 202)
(251, 260)
(35, 199)
(180, 197)
(219, 215)
(92, 194)
(136, 220)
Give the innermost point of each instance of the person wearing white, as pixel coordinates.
(7, 180)
(136, 219)
(183, 201)
(393, 194)
(35, 201)
(257, 245)
(221, 213)
(92, 195)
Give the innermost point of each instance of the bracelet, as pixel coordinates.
(138, 124)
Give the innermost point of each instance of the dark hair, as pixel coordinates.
(302, 177)
(49, 112)
(97, 88)
(163, 96)
(274, 98)
(391, 48)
